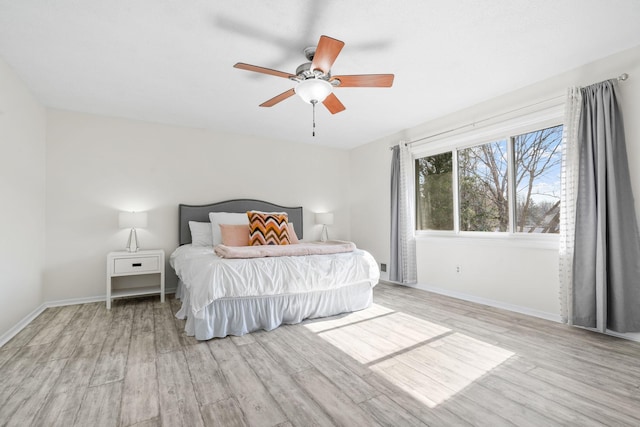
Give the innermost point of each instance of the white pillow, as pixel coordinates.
(201, 233)
(218, 218)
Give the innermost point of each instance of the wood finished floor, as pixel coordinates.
(413, 359)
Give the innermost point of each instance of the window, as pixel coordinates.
(434, 189)
(482, 181)
(537, 174)
(508, 185)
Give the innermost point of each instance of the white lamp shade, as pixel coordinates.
(132, 219)
(325, 218)
(313, 90)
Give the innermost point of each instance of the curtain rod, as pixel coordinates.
(622, 77)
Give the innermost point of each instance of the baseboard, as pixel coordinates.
(86, 300)
(633, 336)
(485, 301)
(74, 301)
(4, 338)
(506, 306)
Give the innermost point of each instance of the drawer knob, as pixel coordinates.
(136, 264)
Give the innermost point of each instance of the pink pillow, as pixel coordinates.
(235, 234)
(293, 239)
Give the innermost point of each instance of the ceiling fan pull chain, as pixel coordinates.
(313, 103)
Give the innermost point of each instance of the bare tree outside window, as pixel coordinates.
(482, 177)
(538, 158)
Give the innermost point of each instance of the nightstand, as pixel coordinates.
(123, 263)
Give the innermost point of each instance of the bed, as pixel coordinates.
(223, 296)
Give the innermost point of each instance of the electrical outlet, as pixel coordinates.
(383, 267)
(458, 269)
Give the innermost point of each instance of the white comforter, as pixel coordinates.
(208, 277)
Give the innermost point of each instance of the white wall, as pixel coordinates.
(370, 199)
(506, 273)
(98, 166)
(22, 191)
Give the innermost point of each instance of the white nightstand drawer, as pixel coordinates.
(132, 265)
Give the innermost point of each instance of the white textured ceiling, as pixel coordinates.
(170, 61)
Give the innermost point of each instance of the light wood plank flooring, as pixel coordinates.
(413, 359)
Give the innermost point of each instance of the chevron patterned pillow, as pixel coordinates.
(268, 228)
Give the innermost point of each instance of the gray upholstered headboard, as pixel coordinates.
(201, 213)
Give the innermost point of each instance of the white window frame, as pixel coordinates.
(504, 130)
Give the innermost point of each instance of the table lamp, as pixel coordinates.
(132, 220)
(324, 218)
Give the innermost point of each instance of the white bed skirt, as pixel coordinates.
(239, 316)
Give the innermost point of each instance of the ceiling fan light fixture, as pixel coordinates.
(313, 90)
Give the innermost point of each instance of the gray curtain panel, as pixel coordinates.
(606, 268)
(395, 263)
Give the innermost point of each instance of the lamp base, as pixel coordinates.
(324, 235)
(132, 243)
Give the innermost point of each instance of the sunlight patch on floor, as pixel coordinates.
(429, 361)
(434, 372)
(379, 337)
(323, 324)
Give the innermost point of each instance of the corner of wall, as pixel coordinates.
(22, 222)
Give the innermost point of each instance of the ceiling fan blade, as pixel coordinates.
(365, 80)
(326, 53)
(263, 70)
(278, 98)
(333, 104)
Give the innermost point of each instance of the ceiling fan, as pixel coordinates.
(314, 80)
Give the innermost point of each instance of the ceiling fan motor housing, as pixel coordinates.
(304, 72)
